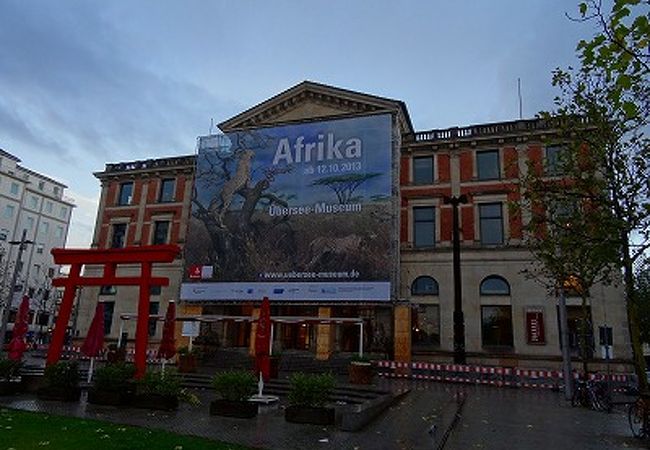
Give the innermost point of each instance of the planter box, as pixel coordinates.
(155, 401)
(309, 414)
(10, 387)
(232, 408)
(60, 394)
(186, 363)
(110, 398)
(360, 372)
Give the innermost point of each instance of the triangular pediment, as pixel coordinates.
(311, 101)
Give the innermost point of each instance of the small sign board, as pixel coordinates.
(191, 329)
(535, 327)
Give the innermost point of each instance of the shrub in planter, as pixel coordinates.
(360, 370)
(161, 390)
(234, 388)
(61, 382)
(307, 398)
(187, 360)
(113, 385)
(9, 376)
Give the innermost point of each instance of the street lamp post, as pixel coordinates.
(459, 318)
(22, 245)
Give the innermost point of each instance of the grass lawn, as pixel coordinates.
(23, 430)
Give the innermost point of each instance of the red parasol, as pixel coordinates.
(17, 345)
(167, 347)
(94, 343)
(263, 339)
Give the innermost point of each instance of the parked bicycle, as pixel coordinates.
(637, 417)
(592, 394)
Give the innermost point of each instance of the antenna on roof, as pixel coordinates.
(519, 95)
(211, 125)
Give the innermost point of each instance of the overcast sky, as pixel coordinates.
(85, 83)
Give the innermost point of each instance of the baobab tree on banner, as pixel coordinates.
(344, 186)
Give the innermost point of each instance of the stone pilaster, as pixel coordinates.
(324, 336)
(251, 347)
(402, 328)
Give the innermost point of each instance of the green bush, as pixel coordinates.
(9, 368)
(114, 377)
(63, 374)
(234, 385)
(310, 389)
(157, 382)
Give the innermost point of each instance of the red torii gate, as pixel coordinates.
(110, 258)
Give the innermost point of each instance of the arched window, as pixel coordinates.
(495, 285)
(424, 286)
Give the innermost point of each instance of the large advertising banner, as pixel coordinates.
(294, 212)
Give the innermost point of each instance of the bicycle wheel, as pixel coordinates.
(635, 419)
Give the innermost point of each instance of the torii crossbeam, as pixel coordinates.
(146, 256)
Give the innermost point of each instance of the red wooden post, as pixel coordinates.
(142, 328)
(58, 337)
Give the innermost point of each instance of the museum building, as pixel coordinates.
(509, 319)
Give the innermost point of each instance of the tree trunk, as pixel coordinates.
(632, 315)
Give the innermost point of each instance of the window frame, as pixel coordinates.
(155, 231)
(416, 292)
(416, 222)
(113, 234)
(482, 219)
(428, 180)
(480, 175)
(505, 344)
(552, 165)
(162, 198)
(483, 293)
(432, 340)
(121, 201)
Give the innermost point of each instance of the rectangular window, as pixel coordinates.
(160, 231)
(33, 202)
(487, 165)
(41, 185)
(63, 213)
(155, 290)
(554, 160)
(425, 326)
(109, 307)
(14, 189)
(166, 190)
(40, 248)
(59, 232)
(126, 194)
(491, 223)
(45, 228)
(154, 307)
(496, 326)
(9, 211)
(423, 170)
(424, 226)
(56, 191)
(4, 233)
(48, 207)
(119, 235)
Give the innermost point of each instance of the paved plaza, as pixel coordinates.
(491, 418)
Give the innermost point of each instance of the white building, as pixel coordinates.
(33, 202)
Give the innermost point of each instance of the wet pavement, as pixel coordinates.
(492, 418)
